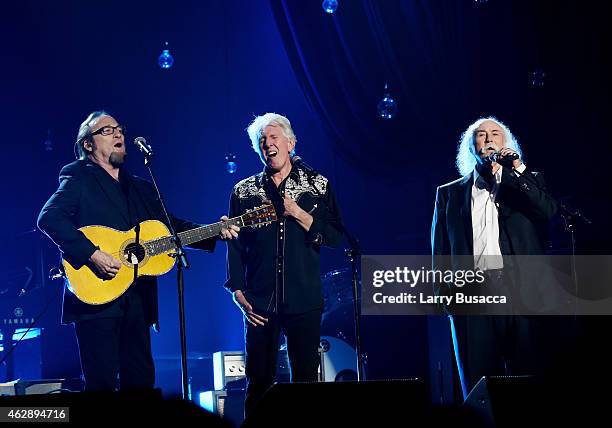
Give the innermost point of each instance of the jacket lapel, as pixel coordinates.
(466, 211)
(503, 208)
(111, 191)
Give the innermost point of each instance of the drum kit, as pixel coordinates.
(338, 327)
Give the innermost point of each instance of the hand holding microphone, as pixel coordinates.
(505, 157)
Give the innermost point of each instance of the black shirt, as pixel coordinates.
(277, 266)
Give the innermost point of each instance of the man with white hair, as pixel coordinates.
(497, 208)
(274, 271)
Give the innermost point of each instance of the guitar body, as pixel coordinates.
(135, 261)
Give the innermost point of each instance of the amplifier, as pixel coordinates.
(229, 369)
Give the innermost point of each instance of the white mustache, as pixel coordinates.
(489, 147)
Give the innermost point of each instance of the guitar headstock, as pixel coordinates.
(259, 216)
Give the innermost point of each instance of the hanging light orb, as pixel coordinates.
(330, 6)
(230, 163)
(48, 143)
(537, 78)
(387, 107)
(165, 59)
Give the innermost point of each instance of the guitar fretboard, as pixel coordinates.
(162, 245)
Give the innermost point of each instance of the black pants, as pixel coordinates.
(303, 333)
(512, 345)
(117, 346)
(493, 345)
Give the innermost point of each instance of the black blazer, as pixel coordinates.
(524, 212)
(88, 195)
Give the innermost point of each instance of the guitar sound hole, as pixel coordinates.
(134, 254)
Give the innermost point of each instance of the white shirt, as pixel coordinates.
(485, 223)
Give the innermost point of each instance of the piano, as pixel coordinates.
(26, 293)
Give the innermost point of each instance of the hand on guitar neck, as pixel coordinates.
(230, 232)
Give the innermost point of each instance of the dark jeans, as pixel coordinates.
(117, 346)
(303, 333)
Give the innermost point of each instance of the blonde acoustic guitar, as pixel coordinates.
(147, 249)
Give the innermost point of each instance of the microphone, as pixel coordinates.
(505, 160)
(296, 160)
(26, 286)
(142, 145)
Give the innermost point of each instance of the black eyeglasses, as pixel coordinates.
(109, 130)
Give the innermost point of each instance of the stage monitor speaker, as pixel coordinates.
(229, 369)
(40, 386)
(506, 401)
(389, 402)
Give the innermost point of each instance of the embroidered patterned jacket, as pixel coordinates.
(278, 266)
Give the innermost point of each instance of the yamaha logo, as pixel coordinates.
(18, 312)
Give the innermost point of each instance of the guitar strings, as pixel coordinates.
(232, 221)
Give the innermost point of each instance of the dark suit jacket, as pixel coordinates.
(88, 195)
(524, 212)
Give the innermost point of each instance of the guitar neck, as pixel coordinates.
(204, 232)
(188, 237)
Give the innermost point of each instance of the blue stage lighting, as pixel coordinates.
(330, 6)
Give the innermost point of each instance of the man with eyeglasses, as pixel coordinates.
(114, 338)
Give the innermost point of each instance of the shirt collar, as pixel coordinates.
(266, 174)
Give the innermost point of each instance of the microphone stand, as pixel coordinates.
(353, 254)
(570, 217)
(183, 263)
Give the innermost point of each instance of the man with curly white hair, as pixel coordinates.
(496, 209)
